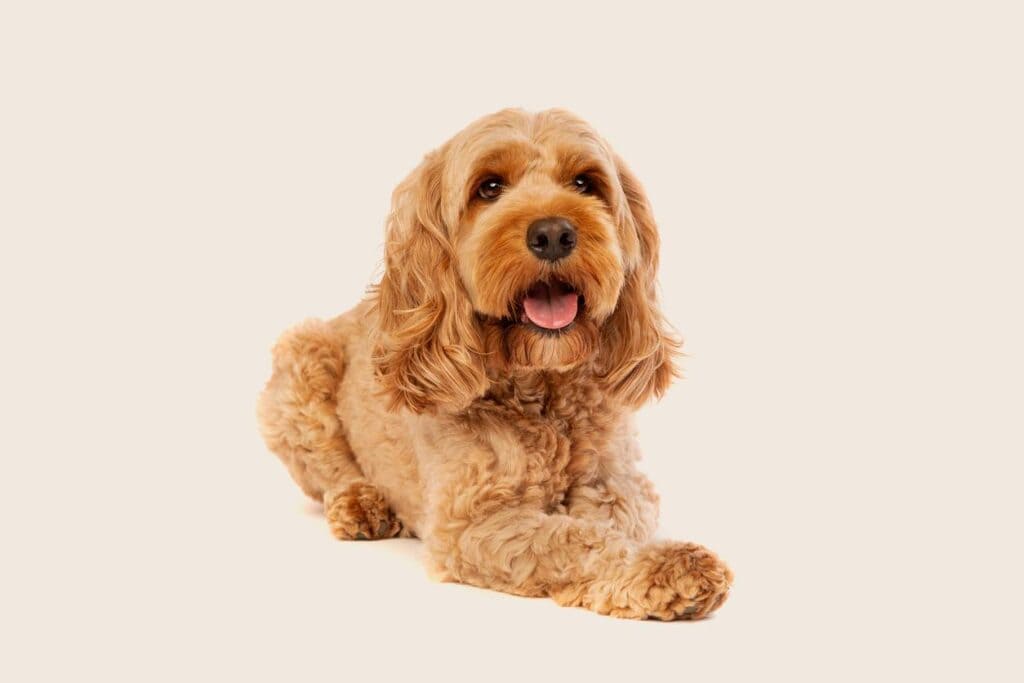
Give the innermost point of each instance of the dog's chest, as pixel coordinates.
(562, 432)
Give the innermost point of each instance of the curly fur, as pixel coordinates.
(431, 410)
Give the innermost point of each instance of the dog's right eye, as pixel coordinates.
(491, 188)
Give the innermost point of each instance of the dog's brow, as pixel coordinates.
(502, 157)
(575, 160)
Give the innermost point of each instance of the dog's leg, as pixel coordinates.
(577, 562)
(664, 580)
(298, 417)
(488, 530)
(622, 496)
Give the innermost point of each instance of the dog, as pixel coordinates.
(481, 396)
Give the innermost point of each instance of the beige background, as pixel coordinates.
(840, 197)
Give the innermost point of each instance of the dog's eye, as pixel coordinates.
(583, 184)
(491, 188)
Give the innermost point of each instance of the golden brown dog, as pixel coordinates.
(480, 397)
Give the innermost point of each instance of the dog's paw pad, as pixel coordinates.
(360, 512)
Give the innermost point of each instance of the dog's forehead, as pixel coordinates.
(540, 141)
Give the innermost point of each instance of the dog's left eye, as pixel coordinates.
(491, 188)
(583, 184)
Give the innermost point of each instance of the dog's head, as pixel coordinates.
(523, 243)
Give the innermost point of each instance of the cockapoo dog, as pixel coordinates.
(480, 397)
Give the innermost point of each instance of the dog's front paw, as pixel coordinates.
(665, 581)
(361, 512)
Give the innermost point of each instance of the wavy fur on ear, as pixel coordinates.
(638, 347)
(428, 352)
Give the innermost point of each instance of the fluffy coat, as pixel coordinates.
(437, 409)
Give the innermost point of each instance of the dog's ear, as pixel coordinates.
(638, 348)
(427, 353)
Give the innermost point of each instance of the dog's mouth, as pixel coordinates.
(550, 306)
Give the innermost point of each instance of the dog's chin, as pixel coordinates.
(550, 329)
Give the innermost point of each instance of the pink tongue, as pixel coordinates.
(550, 307)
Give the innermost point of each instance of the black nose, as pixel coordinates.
(551, 238)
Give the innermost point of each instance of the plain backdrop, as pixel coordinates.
(839, 192)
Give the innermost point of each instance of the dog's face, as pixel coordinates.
(538, 246)
(522, 244)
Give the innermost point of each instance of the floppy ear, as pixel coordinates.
(638, 348)
(427, 353)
